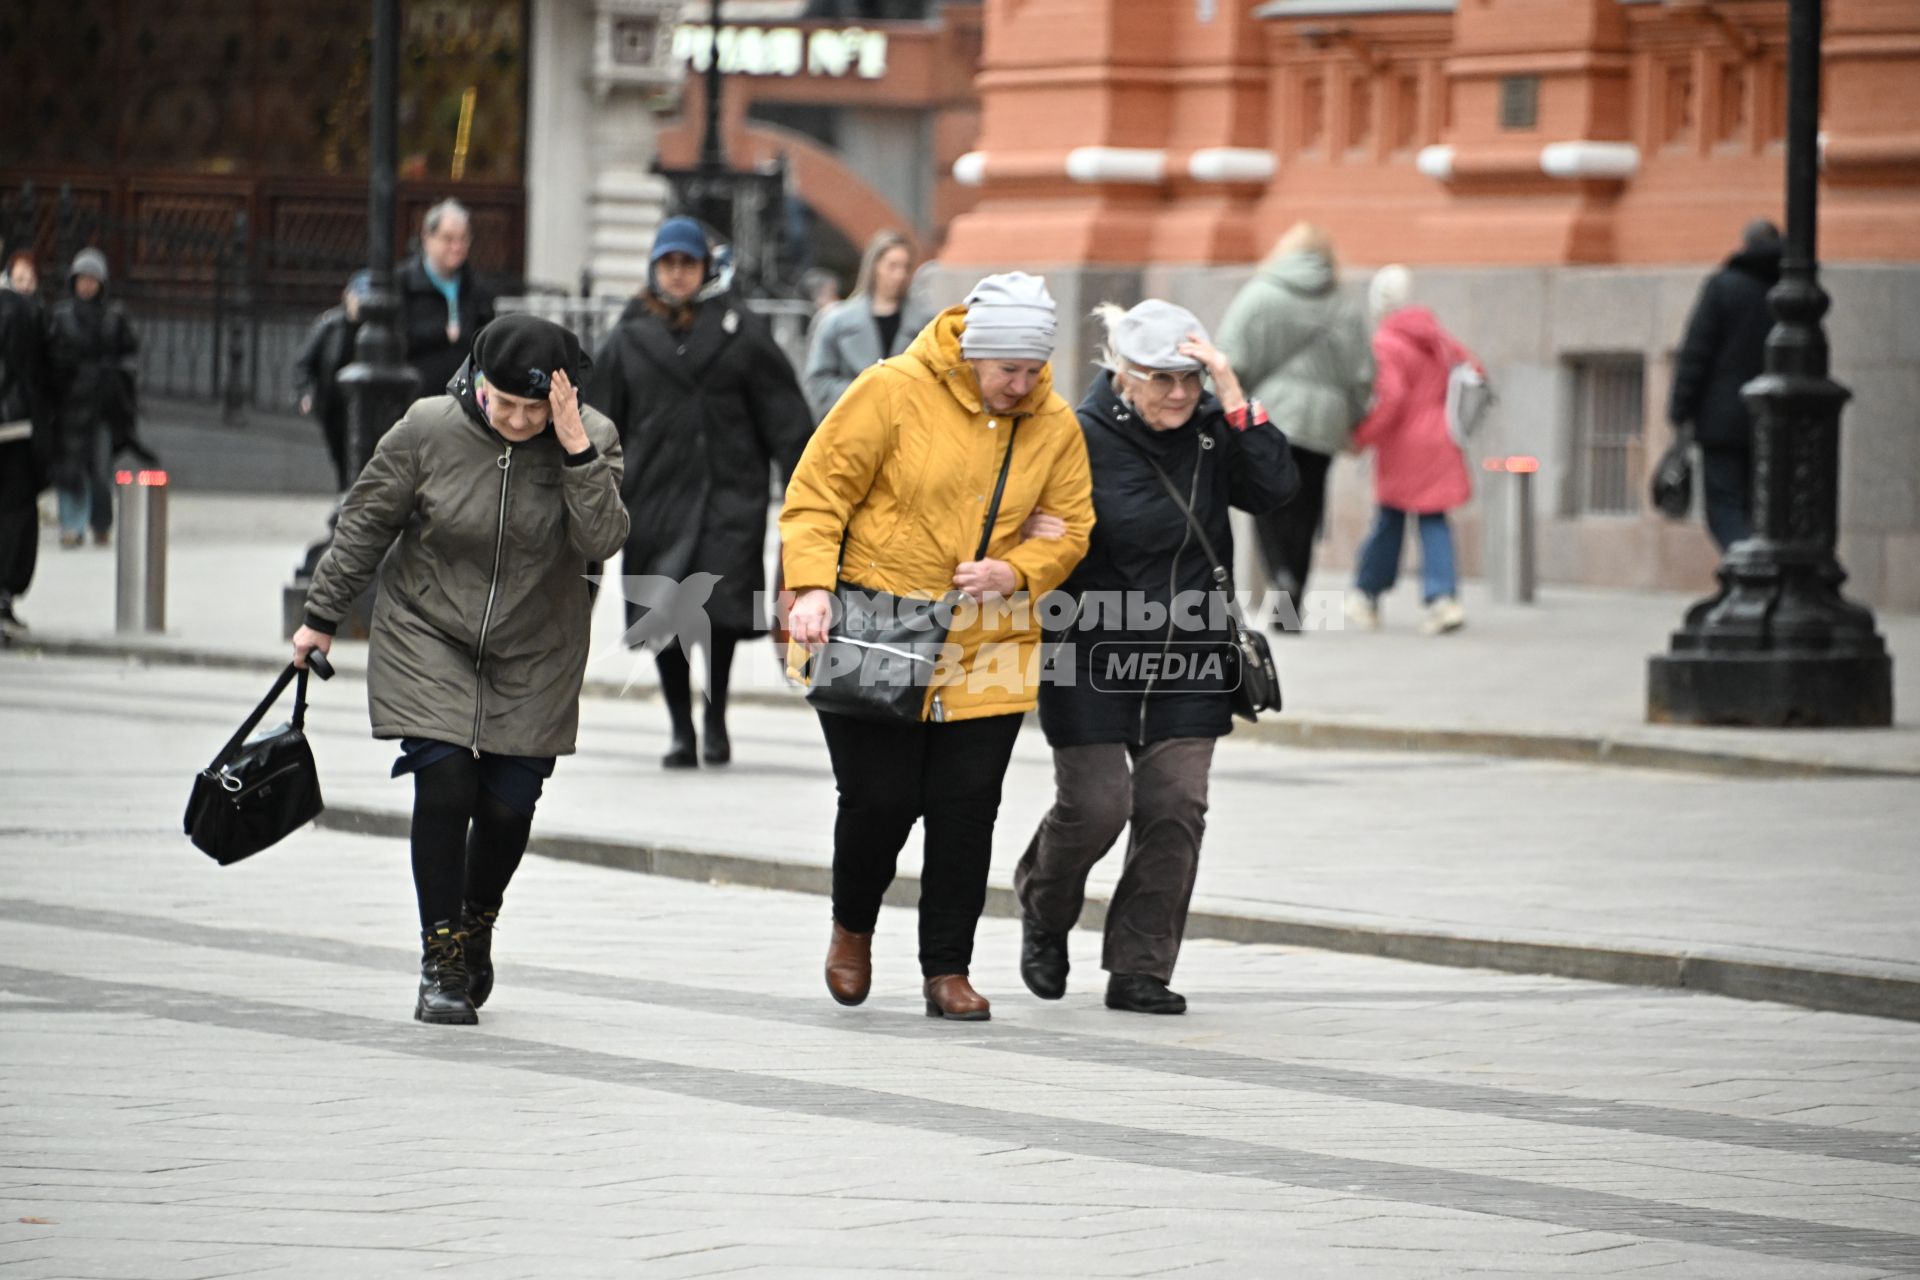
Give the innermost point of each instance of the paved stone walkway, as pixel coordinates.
(212, 1072)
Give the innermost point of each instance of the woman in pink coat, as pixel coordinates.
(1418, 469)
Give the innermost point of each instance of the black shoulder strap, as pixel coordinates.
(999, 488)
(232, 749)
(1220, 574)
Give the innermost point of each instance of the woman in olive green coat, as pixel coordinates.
(486, 505)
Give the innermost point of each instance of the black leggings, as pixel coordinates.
(889, 776)
(676, 679)
(1287, 534)
(467, 842)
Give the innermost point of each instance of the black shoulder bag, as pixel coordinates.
(1254, 679)
(882, 649)
(257, 793)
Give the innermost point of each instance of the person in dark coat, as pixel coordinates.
(92, 344)
(316, 373)
(443, 304)
(706, 403)
(1133, 748)
(26, 441)
(1724, 349)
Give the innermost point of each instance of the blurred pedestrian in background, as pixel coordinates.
(1725, 348)
(480, 509)
(443, 303)
(707, 407)
(893, 496)
(820, 287)
(316, 373)
(1300, 348)
(92, 347)
(26, 442)
(1418, 467)
(875, 322)
(1126, 754)
(22, 274)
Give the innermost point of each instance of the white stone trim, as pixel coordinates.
(1146, 166)
(1232, 164)
(970, 170)
(1589, 159)
(1435, 162)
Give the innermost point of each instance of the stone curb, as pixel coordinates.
(1292, 730)
(1833, 990)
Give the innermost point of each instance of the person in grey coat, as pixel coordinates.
(1302, 349)
(875, 323)
(486, 504)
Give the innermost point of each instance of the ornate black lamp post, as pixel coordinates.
(742, 204)
(378, 385)
(1777, 645)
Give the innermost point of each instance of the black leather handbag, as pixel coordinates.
(1250, 668)
(883, 649)
(259, 791)
(1673, 480)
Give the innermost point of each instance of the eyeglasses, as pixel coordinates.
(1164, 381)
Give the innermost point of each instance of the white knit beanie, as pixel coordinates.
(1009, 317)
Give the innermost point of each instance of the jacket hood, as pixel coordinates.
(938, 349)
(1419, 327)
(1304, 273)
(1761, 264)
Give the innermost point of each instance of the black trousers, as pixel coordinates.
(1727, 485)
(946, 776)
(467, 836)
(676, 679)
(19, 518)
(1287, 535)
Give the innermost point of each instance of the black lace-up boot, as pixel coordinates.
(443, 978)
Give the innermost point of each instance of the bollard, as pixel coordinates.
(1513, 576)
(140, 583)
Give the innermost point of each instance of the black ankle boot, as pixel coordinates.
(443, 978)
(1043, 961)
(684, 753)
(719, 748)
(1137, 993)
(479, 953)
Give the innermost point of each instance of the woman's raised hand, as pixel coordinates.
(564, 402)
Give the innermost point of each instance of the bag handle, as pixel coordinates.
(999, 488)
(1221, 577)
(232, 749)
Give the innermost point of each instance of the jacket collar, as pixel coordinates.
(715, 324)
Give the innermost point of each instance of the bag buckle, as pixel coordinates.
(227, 781)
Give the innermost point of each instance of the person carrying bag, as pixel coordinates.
(1132, 729)
(916, 487)
(259, 791)
(486, 505)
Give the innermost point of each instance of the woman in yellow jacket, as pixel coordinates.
(892, 495)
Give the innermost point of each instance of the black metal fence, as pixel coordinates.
(221, 314)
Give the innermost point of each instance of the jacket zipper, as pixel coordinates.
(505, 463)
(1173, 590)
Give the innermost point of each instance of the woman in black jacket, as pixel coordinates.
(705, 403)
(92, 344)
(1138, 692)
(316, 373)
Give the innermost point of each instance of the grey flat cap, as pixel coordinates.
(1149, 336)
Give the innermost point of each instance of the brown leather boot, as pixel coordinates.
(849, 965)
(950, 995)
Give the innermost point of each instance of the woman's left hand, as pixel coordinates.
(564, 402)
(983, 578)
(1225, 385)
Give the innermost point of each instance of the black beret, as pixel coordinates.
(520, 353)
